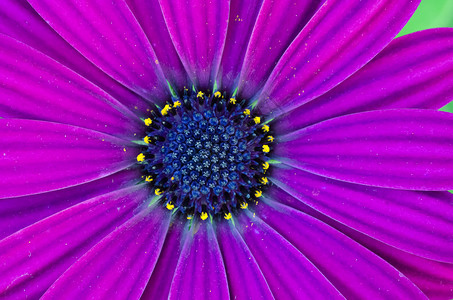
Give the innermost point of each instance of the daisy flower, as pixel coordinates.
(224, 150)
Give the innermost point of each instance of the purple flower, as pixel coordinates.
(224, 149)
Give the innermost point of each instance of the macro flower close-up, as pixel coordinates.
(224, 149)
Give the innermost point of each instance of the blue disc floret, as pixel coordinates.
(206, 154)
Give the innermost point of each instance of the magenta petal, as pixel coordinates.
(413, 71)
(19, 212)
(37, 156)
(332, 251)
(340, 38)
(159, 284)
(198, 30)
(244, 275)
(278, 23)
(416, 222)
(242, 20)
(33, 86)
(402, 149)
(20, 21)
(107, 33)
(200, 272)
(33, 258)
(149, 15)
(132, 249)
(434, 278)
(288, 272)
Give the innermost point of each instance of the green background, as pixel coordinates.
(430, 14)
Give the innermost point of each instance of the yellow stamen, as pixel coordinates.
(189, 217)
(232, 101)
(244, 205)
(170, 206)
(266, 148)
(148, 121)
(265, 128)
(257, 120)
(146, 139)
(204, 216)
(140, 157)
(177, 104)
(258, 193)
(148, 178)
(158, 192)
(270, 138)
(265, 165)
(264, 180)
(165, 110)
(227, 216)
(247, 112)
(217, 94)
(200, 94)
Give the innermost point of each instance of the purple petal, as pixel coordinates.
(198, 30)
(33, 258)
(33, 86)
(416, 222)
(340, 38)
(160, 282)
(107, 34)
(244, 275)
(242, 20)
(20, 212)
(37, 156)
(149, 15)
(413, 71)
(279, 22)
(288, 272)
(332, 251)
(20, 21)
(132, 249)
(434, 278)
(200, 272)
(401, 149)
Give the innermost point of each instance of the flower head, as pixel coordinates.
(223, 149)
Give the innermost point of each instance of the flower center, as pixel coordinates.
(206, 155)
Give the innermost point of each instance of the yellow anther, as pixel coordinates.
(148, 178)
(200, 94)
(165, 110)
(227, 216)
(158, 192)
(232, 101)
(148, 121)
(141, 157)
(257, 120)
(173, 178)
(177, 104)
(247, 112)
(204, 216)
(270, 138)
(146, 139)
(258, 193)
(264, 180)
(217, 94)
(189, 217)
(170, 206)
(266, 148)
(244, 205)
(265, 128)
(265, 165)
